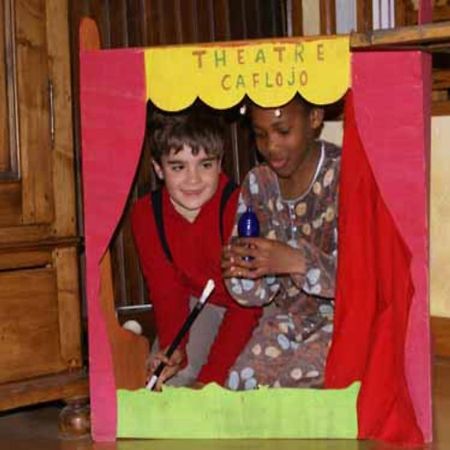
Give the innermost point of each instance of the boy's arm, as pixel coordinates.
(170, 312)
(167, 293)
(234, 333)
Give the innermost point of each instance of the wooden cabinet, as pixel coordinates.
(39, 294)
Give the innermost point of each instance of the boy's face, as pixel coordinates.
(191, 180)
(284, 139)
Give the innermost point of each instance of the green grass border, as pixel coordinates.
(217, 413)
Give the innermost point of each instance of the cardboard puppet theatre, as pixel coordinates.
(377, 373)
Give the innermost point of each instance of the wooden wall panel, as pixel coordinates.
(186, 21)
(64, 195)
(327, 17)
(151, 17)
(33, 110)
(238, 25)
(296, 18)
(273, 19)
(222, 21)
(169, 21)
(4, 137)
(364, 16)
(135, 25)
(129, 23)
(118, 24)
(205, 23)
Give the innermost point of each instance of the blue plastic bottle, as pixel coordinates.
(248, 226)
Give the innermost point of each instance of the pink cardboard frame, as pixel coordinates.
(391, 100)
(392, 105)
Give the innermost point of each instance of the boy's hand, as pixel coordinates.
(173, 365)
(267, 256)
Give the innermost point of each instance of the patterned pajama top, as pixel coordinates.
(290, 345)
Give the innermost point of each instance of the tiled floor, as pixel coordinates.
(37, 429)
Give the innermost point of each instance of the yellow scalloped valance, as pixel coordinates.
(269, 72)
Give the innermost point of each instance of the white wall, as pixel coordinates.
(440, 216)
(311, 17)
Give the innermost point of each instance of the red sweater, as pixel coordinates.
(196, 251)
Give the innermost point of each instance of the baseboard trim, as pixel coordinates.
(440, 332)
(61, 386)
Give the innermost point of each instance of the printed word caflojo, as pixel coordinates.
(281, 65)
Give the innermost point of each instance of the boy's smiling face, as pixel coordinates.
(191, 180)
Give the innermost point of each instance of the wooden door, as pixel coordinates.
(39, 299)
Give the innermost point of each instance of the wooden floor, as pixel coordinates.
(36, 429)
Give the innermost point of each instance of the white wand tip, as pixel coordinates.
(152, 382)
(210, 285)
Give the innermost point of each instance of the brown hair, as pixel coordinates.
(198, 130)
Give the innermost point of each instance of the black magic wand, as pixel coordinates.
(209, 287)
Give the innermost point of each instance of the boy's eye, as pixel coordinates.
(210, 163)
(177, 167)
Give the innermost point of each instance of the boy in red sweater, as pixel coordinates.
(179, 233)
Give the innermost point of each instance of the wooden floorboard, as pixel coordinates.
(440, 332)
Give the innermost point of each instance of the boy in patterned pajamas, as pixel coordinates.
(293, 264)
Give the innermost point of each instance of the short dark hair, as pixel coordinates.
(301, 101)
(197, 129)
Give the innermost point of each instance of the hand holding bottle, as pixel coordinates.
(257, 257)
(250, 256)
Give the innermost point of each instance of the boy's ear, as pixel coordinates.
(316, 118)
(158, 170)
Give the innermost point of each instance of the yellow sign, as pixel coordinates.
(270, 73)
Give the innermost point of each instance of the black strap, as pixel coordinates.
(226, 194)
(158, 214)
